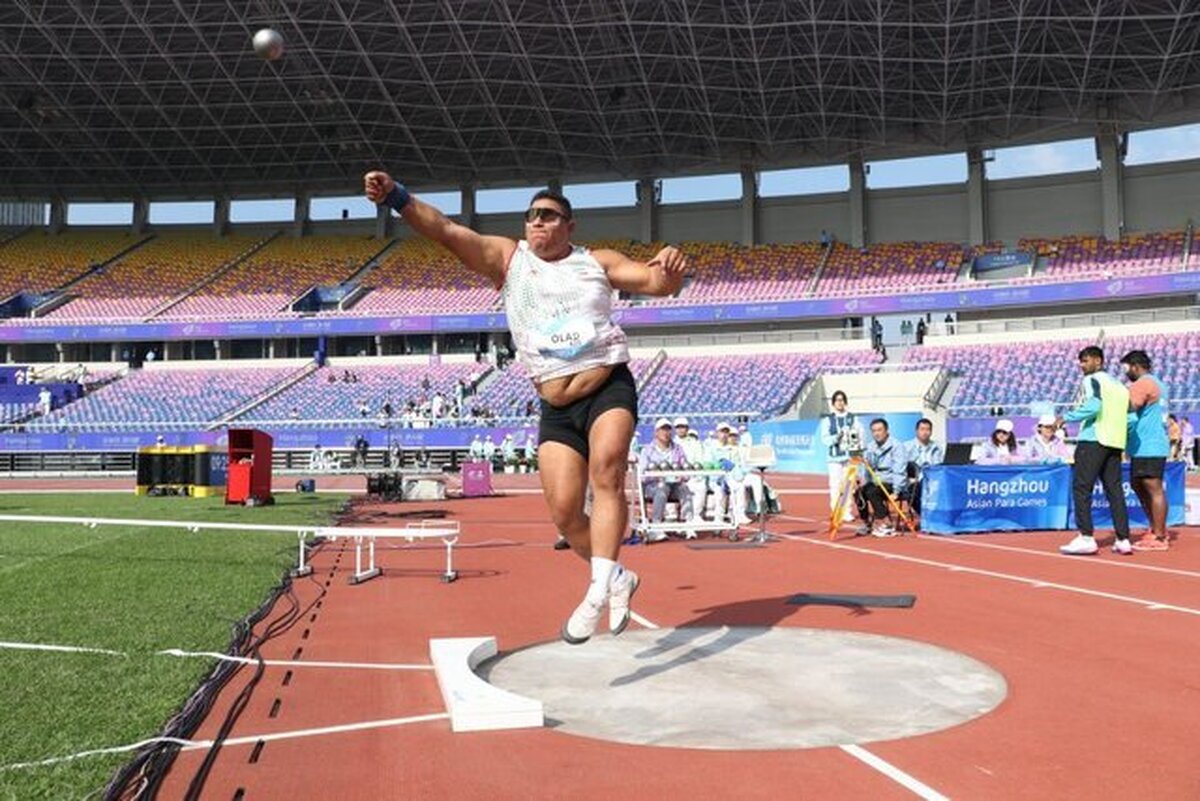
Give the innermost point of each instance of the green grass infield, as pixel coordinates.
(127, 589)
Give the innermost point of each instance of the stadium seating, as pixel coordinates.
(722, 272)
(739, 382)
(1174, 356)
(266, 283)
(159, 396)
(417, 276)
(38, 261)
(889, 268)
(317, 397)
(152, 275)
(1084, 256)
(1010, 376)
(11, 412)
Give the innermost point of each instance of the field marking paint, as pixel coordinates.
(69, 649)
(194, 745)
(1038, 583)
(245, 660)
(1174, 571)
(641, 621)
(894, 773)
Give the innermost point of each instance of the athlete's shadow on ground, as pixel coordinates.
(740, 621)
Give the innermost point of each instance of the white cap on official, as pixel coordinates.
(680, 421)
(1004, 425)
(662, 423)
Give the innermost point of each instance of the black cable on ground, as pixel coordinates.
(142, 776)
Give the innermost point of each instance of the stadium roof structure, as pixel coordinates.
(166, 98)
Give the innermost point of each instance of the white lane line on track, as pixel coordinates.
(952, 540)
(1040, 583)
(894, 773)
(641, 621)
(69, 649)
(244, 660)
(194, 745)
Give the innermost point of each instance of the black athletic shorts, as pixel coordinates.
(571, 424)
(1147, 466)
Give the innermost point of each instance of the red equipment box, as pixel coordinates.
(249, 467)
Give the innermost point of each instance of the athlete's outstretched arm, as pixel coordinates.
(661, 276)
(486, 255)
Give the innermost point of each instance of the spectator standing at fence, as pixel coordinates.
(1102, 412)
(45, 400)
(1147, 446)
(1187, 438)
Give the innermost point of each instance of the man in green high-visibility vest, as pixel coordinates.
(1102, 414)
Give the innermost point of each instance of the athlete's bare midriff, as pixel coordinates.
(570, 388)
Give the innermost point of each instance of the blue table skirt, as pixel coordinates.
(959, 499)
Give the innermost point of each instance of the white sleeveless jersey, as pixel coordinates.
(560, 314)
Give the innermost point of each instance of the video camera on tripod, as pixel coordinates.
(850, 441)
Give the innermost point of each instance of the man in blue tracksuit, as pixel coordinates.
(889, 459)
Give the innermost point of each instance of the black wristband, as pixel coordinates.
(397, 198)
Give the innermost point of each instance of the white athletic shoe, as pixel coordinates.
(862, 530)
(581, 625)
(620, 595)
(883, 531)
(656, 536)
(1080, 546)
(1123, 547)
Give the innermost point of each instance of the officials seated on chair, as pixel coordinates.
(887, 458)
(1001, 448)
(921, 452)
(1046, 446)
(693, 450)
(664, 450)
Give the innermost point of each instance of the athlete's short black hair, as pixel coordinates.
(1091, 352)
(1137, 358)
(881, 422)
(557, 197)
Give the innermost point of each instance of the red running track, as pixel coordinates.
(1099, 654)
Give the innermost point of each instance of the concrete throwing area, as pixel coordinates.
(749, 688)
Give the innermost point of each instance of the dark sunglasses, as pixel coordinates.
(544, 214)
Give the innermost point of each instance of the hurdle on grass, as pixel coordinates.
(447, 532)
